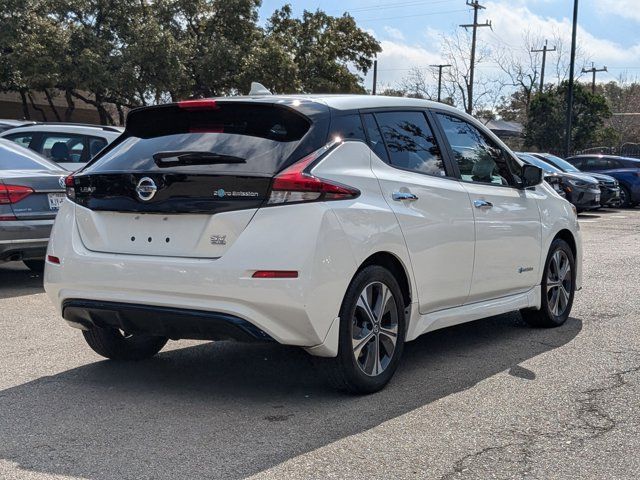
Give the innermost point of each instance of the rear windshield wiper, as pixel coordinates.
(172, 159)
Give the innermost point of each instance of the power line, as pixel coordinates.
(412, 16)
(384, 6)
(544, 51)
(476, 6)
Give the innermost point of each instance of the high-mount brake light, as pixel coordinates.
(69, 183)
(295, 184)
(198, 104)
(13, 193)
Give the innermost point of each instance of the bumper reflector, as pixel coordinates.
(53, 259)
(275, 274)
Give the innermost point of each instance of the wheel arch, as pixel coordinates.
(568, 237)
(392, 263)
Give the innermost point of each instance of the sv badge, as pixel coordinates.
(218, 239)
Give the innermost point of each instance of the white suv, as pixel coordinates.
(346, 225)
(70, 145)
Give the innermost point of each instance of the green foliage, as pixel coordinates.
(546, 119)
(130, 53)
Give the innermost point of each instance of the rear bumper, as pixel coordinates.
(24, 240)
(174, 323)
(184, 291)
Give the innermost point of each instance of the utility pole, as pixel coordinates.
(440, 67)
(569, 119)
(375, 75)
(593, 70)
(544, 51)
(476, 6)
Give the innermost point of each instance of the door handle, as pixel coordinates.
(399, 196)
(482, 204)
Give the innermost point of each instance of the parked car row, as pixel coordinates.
(591, 181)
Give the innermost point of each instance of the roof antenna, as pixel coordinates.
(258, 89)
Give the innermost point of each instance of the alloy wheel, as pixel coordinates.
(374, 331)
(559, 283)
(623, 197)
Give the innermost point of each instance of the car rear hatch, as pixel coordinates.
(30, 194)
(185, 179)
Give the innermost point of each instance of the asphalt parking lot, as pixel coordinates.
(490, 399)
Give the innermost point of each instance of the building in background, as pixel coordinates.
(41, 109)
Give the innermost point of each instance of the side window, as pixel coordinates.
(23, 139)
(348, 127)
(478, 157)
(62, 148)
(95, 145)
(613, 164)
(375, 138)
(579, 164)
(595, 163)
(410, 142)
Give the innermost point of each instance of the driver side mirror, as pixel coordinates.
(531, 176)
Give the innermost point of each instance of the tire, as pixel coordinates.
(558, 289)
(625, 197)
(113, 344)
(34, 265)
(360, 373)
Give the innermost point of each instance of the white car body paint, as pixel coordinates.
(462, 263)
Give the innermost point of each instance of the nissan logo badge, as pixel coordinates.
(146, 189)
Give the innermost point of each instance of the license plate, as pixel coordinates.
(55, 200)
(598, 198)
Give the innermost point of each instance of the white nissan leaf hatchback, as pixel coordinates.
(346, 225)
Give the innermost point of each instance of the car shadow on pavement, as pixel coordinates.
(224, 410)
(17, 280)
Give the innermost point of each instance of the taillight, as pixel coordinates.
(295, 184)
(13, 193)
(70, 185)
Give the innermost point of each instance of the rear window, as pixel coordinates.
(15, 157)
(233, 138)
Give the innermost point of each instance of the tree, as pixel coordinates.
(456, 51)
(120, 54)
(545, 122)
(624, 98)
(323, 48)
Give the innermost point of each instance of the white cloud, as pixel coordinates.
(397, 58)
(394, 33)
(622, 8)
(509, 24)
(510, 19)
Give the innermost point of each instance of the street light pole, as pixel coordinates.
(569, 119)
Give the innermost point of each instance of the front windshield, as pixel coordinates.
(538, 163)
(561, 164)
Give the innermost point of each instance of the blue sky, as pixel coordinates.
(410, 30)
